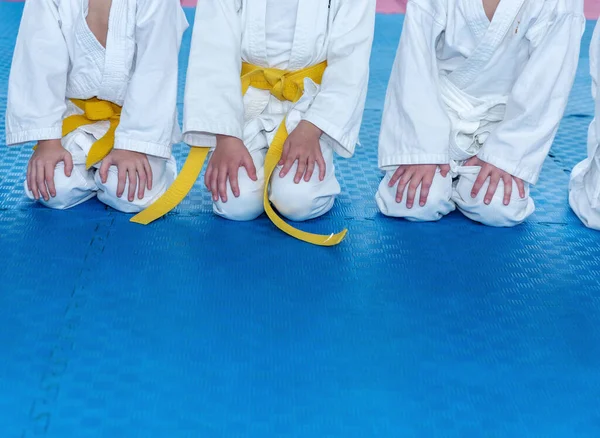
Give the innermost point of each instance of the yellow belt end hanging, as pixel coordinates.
(271, 160)
(315, 239)
(178, 190)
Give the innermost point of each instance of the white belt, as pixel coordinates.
(472, 119)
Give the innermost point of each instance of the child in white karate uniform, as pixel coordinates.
(94, 84)
(584, 189)
(476, 96)
(287, 35)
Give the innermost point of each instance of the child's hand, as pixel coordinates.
(130, 164)
(495, 175)
(40, 170)
(414, 176)
(229, 155)
(303, 145)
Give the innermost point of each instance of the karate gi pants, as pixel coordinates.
(84, 184)
(449, 193)
(297, 202)
(584, 188)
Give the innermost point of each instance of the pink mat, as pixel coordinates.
(592, 9)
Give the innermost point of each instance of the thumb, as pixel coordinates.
(104, 169)
(444, 170)
(68, 160)
(284, 153)
(473, 161)
(250, 168)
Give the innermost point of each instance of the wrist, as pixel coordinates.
(42, 144)
(221, 138)
(227, 140)
(311, 128)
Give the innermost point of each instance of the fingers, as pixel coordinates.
(309, 169)
(132, 173)
(68, 160)
(412, 191)
(233, 180)
(284, 154)
(473, 161)
(142, 180)
(322, 166)
(49, 178)
(444, 170)
(40, 180)
(29, 173)
(208, 176)
(122, 177)
(222, 184)
(507, 180)
(248, 164)
(404, 180)
(106, 163)
(494, 180)
(149, 176)
(425, 187)
(214, 186)
(483, 175)
(302, 163)
(33, 182)
(287, 164)
(396, 176)
(521, 187)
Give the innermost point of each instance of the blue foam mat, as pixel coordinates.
(198, 327)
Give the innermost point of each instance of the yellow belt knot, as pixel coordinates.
(99, 110)
(285, 86)
(95, 110)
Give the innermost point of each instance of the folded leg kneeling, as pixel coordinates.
(70, 190)
(163, 174)
(496, 214)
(438, 203)
(249, 205)
(584, 192)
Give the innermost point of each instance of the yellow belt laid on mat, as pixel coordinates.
(95, 110)
(283, 85)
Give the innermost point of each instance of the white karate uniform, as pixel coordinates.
(463, 86)
(290, 35)
(57, 58)
(584, 188)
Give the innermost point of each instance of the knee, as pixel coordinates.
(163, 175)
(246, 207)
(107, 193)
(584, 193)
(584, 209)
(494, 214)
(299, 202)
(70, 190)
(437, 206)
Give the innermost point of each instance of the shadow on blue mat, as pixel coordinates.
(199, 327)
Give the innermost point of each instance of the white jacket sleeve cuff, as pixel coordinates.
(339, 140)
(20, 137)
(391, 162)
(516, 169)
(204, 134)
(144, 147)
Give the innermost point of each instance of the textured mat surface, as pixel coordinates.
(197, 327)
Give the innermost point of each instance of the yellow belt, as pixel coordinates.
(283, 85)
(95, 110)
